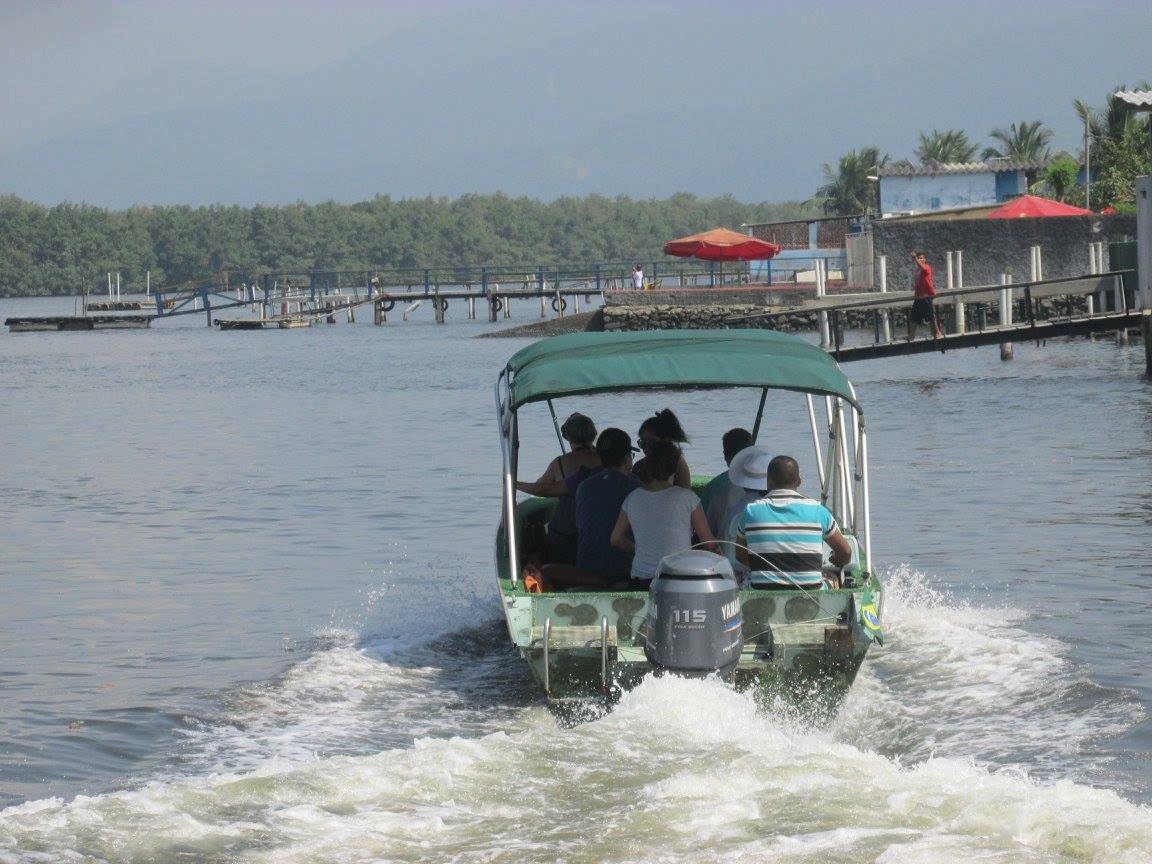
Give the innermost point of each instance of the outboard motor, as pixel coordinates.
(695, 626)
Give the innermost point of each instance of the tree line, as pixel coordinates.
(68, 248)
(1119, 151)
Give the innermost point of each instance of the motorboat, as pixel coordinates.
(696, 618)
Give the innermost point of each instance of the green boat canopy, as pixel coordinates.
(583, 363)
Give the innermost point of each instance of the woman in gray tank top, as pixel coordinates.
(660, 516)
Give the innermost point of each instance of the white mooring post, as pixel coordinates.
(1098, 265)
(949, 279)
(1092, 272)
(1006, 348)
(822, 316)
(955, 279)
(885, 314)
(109, 284)
(1121, 306)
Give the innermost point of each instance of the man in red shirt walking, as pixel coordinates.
(922, 311)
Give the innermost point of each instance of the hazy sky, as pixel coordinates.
(117, 103)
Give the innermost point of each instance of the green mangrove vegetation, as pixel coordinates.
(68, 248)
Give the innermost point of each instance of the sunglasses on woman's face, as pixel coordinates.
(646, 443)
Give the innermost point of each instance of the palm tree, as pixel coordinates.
(952, 145)
(1025, 140)
(849, 189)
(1120, 148)
(1060, 176)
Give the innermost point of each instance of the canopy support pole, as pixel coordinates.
(556, 426)
(829, 493)
(848, 501)
(760, 414)
(507, 432)
(815, 439)
(865, 527)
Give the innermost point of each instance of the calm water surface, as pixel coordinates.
(247, 613)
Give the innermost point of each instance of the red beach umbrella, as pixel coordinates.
(1029, 206)
(721, 244)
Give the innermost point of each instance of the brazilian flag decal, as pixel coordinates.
(870, 618)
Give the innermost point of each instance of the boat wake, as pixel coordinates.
(968, 681)
(965, 737)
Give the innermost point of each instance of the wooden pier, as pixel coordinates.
(1038, 332)
(981, 304)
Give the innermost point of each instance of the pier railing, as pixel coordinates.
(531, 279)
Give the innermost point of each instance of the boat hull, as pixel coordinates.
(590, 645)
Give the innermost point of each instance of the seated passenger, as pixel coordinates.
(784, 533)
(748, 473)
(713, 496)
(560, 480)
(660, 516)
(662, 426)
(598, 502)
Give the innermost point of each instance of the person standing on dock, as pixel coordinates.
(638, 278)
(922, 311)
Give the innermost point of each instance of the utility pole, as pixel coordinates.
(1087, 164)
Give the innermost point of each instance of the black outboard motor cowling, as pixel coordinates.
(694, 619)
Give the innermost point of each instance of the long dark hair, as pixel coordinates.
(663, 458)
(665, 426)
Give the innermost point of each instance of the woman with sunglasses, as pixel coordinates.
(560, 480)
(662, 426)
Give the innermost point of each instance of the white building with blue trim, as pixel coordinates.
(908, 189)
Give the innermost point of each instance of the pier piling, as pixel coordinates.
(955, 262)
(1007, 351)
(822, 316)
(885, 330)
(1146, 330)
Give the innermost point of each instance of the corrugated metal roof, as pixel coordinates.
(1140, 100)
(937, 168)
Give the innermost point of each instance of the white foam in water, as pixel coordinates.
(940, 755)
(681, 771)
(964, 680)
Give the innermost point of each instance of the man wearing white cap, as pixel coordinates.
(747, 482)
(714, 496)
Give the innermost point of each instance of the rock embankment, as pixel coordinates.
(581, 322)
(719, 316)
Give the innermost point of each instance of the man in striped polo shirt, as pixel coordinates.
(784, 533)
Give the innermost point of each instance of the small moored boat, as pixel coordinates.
(695, 619)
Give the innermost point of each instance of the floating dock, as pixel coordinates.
(88, 322)
(262, 324)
